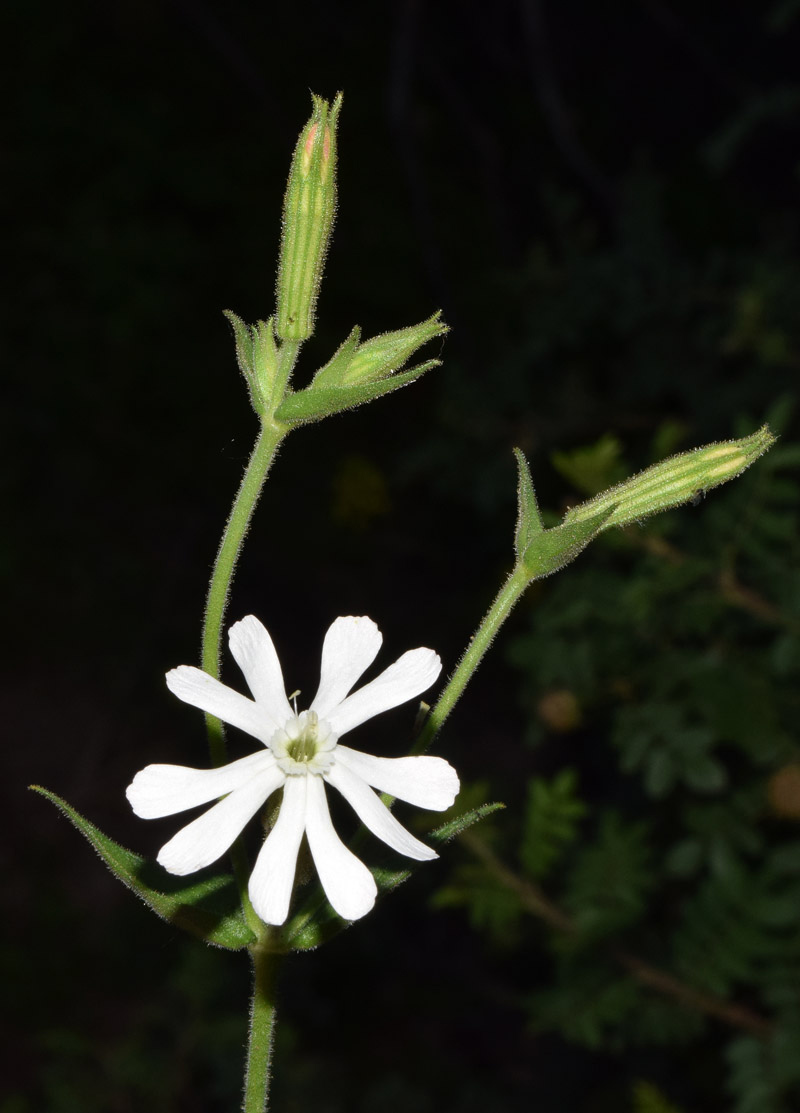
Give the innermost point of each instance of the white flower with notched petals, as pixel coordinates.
(301, 752)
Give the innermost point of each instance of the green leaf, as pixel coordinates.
(609, 884)
(244, 344)
(333, 372)
(649, 1099)
(551, 549)
(529, 520)
(592, 468)
(208, 908)
(257, 356)
(315, 921)
(317, 402)
(552, 821)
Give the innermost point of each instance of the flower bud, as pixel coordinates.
(309, 208)
(356, 364)
(383, 355)
(675, 481)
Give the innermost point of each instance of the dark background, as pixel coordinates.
(602, 200)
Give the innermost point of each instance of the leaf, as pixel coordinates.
(315, 921)
(611, 880)
(208, 908)
(317, 402)
(552, 822)
(647, 1098)
(529, 520)
(551, 549)
(592, 468)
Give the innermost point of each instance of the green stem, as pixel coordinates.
(270, 436)
(262, 1030)
(509, 594)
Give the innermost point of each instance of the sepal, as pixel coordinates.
(208, 908)
(315, 922)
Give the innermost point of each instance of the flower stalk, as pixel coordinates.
(505, 600)
(261, 1030)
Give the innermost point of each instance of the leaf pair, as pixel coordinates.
(210, 909)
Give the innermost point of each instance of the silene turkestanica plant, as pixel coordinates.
(272, 907)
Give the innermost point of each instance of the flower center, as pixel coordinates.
(304, 744)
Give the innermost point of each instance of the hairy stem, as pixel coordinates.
(269, 438)
(509, 594)
(262, 1030)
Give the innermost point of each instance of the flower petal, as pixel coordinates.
(427, 782)
(255, 655)
(209, 836)
(351, 645)
(273, 874)
(374, 814)
(159, 790)
(407, 677)
(348, 884)
(201, 690)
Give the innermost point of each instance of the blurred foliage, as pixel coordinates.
(678, 642)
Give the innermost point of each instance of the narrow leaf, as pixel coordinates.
(316, 922)
(529, 520)
(551, 549)
(244, 337)
(315, 402)
(208, 908)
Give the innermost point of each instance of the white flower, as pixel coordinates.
(301, 752)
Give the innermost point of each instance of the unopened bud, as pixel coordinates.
(385, 354)
(309, 208)
(675, 481)
(356, 364)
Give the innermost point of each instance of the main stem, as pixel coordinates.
(509, 594)
(262, 1030)
(269, 438)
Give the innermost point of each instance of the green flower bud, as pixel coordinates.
(309, 208)
(355, 364)
(383, 355)
(674, 481)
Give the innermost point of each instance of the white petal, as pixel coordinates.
(209, 836)
(255, 655)
(273, 875)
(351, 645)
(408, 677)
(427, 782)
(348, 884)
(374, 814)
(201, 690)
(160, 790)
